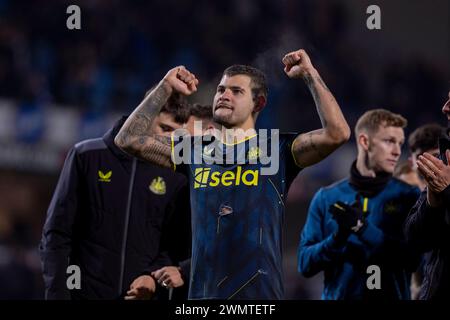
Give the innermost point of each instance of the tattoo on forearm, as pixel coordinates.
(142, 119)
(156, 149)
(310, 83)
(135, 136)
(137, 128)
(159, 153)
(312, 87)
(165, 140)
(140, 124)
(157, 98)
(308, 144)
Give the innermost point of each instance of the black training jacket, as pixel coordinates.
(116, 218)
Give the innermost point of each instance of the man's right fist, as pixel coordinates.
(181, 80)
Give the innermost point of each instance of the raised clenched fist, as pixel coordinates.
(181, 80)
(297, 64)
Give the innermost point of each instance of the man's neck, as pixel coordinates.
(363, 167)
(236, 135)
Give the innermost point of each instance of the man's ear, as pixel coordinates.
(260, 103)
(363, 141)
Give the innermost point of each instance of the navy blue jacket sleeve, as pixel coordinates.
(316, 250)
(426, 227)
(55, 246)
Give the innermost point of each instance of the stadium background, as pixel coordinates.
(58, 87)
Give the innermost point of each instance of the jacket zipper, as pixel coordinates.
(365, 206)
(125, 229)
(253, 277)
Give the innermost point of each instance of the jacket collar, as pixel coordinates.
(368, 186)
(109, 136)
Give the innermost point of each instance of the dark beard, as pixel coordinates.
(223, 121)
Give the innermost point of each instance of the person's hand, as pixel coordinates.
(297, 64)
(435, 172)
(349, 218)
(142, 288)
(169, 277)
(181, 80)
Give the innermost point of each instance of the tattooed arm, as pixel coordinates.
(135, 136)
(312, 147)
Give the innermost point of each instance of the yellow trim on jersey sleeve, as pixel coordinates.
(292, 152)
(235, 143)
(172, 149)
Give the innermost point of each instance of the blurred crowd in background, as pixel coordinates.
(124, 47)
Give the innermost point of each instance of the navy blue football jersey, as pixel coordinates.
(237, 215)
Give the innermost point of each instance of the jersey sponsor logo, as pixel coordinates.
(104, 177)
(205, 177)
(158, 186)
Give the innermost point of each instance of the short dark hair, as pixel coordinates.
(258, 78)
(201, 111)
(371, 121)
(425, 137)
(177, 105)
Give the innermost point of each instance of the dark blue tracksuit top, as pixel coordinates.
(380, 242)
